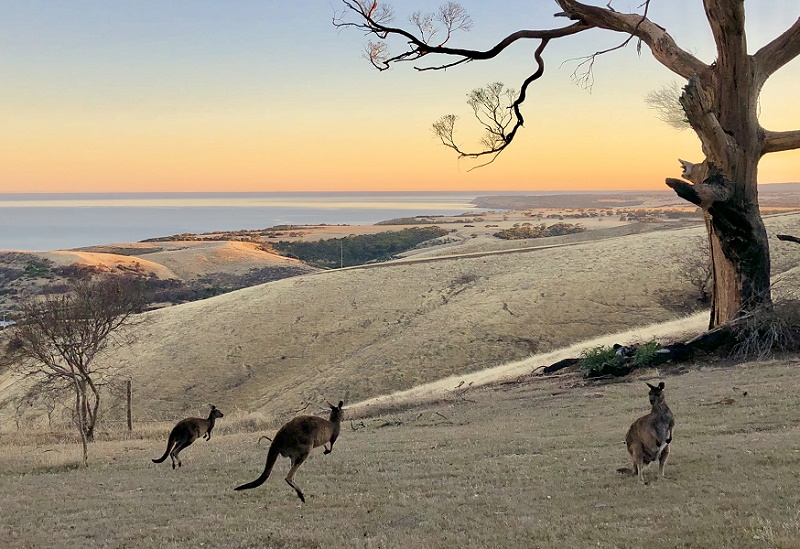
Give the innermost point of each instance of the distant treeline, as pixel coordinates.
(357, 249)
(518, 232)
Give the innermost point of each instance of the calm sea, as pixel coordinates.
(44, 222)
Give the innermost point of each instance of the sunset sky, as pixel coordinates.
(266, 95)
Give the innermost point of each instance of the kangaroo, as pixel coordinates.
(649, 437)
(296, 439)
(186, 432)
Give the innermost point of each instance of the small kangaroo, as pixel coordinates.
(649, 437)
(186, 431)
(296, 439)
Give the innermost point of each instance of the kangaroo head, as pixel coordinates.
(215, 413)
(336, 411)
(656, 393)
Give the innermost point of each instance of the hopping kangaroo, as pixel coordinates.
(296, 439)
(649, 437)
(187, 431)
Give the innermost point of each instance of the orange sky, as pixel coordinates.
(143, 97)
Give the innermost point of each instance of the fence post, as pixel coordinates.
(128, 395)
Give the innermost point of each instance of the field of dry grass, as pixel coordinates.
(356, 333)
(525, 464)
(526, 461)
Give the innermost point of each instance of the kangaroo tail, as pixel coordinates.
(626, 471)
(170, 444)
(272, 456)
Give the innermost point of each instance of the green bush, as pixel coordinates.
(601, 361)
(645, 354)
(38, 268)
(596, 360)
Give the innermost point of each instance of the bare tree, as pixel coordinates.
(695, 268)
(719, 100)
(59, 336)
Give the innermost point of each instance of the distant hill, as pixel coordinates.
(778, 194)
(779, 187)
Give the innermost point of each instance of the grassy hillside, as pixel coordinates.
(357, 333)
(526, 464)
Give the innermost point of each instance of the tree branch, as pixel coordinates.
(777, 53)
(662, 45)
(781, 141)
(699, 109)
(497, 139)
(703, 195)
(726, 18)
(788, 238)
(419, 47)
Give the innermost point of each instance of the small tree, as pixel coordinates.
(59, 336)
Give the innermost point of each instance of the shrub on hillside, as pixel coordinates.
(597, 360)
(38, 268)
(645, 355)
(766, 331)
(9, 274)
(519, 232)
(617, 360)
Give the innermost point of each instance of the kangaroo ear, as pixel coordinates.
(661, 385)
(341, 403)
(653, 387)
(332, 407)
(213, 407)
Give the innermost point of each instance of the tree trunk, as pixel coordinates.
(87, 411)
(79, 419)
(738, 242)
(740, 261)
(721, 105)
(93, 409)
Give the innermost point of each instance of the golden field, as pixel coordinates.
(507, 459)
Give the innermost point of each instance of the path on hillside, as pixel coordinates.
(457, 385)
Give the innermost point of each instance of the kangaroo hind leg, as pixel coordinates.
(296, 463)
(180, 445)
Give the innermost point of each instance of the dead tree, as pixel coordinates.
(720, 101)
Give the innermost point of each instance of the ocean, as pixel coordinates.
(44, 222)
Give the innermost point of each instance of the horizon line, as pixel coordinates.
(427, 191)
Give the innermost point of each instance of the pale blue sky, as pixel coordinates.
(267, 95)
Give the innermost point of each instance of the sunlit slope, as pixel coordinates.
(357, 333)
(197, 259)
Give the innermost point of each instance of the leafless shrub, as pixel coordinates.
(667, 104)
(695, 268)
(766, 331)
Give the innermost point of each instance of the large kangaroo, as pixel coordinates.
(187, 431)
(296, 439)
(649, 437)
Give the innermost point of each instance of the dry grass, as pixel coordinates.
(354, 334)
(526, 463)
(516, 465)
